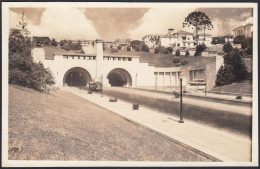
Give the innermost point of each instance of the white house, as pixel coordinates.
(205, 39)
(151, 40)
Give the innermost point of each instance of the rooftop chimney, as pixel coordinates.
(170, 31)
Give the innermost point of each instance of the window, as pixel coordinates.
(183, 38)
(129, 59)
(155, 73)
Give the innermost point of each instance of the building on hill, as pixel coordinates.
(246, 29)
(204, 38)
(179, 39)
(123, 43)
(108, 44)
(228, 38)
(151, 40)
(84, 43)
(40, 41)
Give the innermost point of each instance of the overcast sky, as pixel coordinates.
(112, 23)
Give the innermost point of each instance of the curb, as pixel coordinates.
(203, 97)
(214, 159)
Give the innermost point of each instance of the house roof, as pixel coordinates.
(202, 34)
(153, 35)
(184, 32)
(168, 36)
(37, 38)
(122, 40)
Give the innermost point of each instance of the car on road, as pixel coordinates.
(95, 86)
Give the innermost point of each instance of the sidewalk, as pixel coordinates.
(211, 142)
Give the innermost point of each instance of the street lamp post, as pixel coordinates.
(181, 118)
(102, 85)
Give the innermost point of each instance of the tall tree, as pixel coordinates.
(22, 69)
(199, 20)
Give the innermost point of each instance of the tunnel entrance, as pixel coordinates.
(77, 77)
(119, 77)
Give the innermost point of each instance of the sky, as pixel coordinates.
(121, 23)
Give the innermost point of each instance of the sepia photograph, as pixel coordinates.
(129, 84)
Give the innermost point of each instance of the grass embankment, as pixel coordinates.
(244, 87)
(63, 126)
(157, 59)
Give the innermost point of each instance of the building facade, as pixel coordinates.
(122, 70)
(246, 30)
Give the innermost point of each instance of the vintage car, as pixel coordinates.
(95, 86)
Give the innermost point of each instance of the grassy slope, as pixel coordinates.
(62, 126)
(244, 87)
(159, 59)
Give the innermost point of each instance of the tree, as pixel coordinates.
(227, 48)
(234, 69)
(46, 42)
(66, 46)
(224, 75)
(199, 49)
(238, 65)
(128, 48)
(145, 48)
(23, 70)
(239, 39)
(22, 26)
(199, 20)
(54, 43)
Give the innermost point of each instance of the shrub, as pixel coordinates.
(137, 49)
(176, 60)
(156, 50)
(163, 50)
(119, 47)
(128, 48)
(177, 53)
(113, 50)
(184, 62)
(187, 53)
(66, 46)
(177, 64)
(170, 49)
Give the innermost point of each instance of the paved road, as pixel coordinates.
(63, 126)
(233, 118)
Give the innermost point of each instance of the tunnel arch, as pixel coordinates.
(77, 76)
(119, 77)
